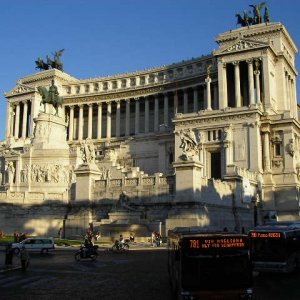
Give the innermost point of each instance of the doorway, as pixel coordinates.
(215, 165)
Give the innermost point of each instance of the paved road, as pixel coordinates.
(139, 274)
(134, 275)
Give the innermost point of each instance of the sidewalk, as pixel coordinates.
(4, 268)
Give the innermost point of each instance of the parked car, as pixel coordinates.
(42, 245)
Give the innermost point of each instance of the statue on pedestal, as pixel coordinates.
(51, 96)
(87, 151)
(11, 172)
(188, 144)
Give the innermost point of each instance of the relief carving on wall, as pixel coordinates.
(46, 173)
(241, 45)
(291, 147)
(42, 130)
(21, 89)
(227, 134)
(277, 162)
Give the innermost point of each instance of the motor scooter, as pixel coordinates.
(86, 253)
(118, 246)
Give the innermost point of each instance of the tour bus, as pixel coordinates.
(206, 264)
(275, 247)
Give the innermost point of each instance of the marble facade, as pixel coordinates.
(212, 141)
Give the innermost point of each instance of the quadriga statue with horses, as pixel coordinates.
(51, 64)
(50, 96)
(256, 18)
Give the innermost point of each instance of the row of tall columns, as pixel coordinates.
(9, 116)
(108, 120)
(266, 150)
(15, 119)
(222, 77)
(147, 115)
(137, 114)
(156, 113)
(24, 122)
(80, 126)
(71, 123)
(237, 84)
(257, 84)
(118, 119)
(90, 121)
(208, 93)
(251, 82)
(166, 110)
(290, 95)
(127, 122)
(99, 121)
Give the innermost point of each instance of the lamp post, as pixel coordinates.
(255, 201)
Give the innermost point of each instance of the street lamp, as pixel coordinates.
(255, 201)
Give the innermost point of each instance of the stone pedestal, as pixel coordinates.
(86, 174)
(188, 181)
(50, 132)
(44, 168)
(46, 165)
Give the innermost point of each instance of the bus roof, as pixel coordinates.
(278, 226)
(197, 230)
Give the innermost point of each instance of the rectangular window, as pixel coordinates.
(277, 150)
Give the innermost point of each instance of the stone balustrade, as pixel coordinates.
(152, 188)
(134, 182)
(160, 75)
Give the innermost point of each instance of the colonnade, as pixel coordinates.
(253, 93)
(119, 117)
(126, 115)
(18, 118)
(290, 94)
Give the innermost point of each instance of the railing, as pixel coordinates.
(160, 75)
(157, 188)
(134, 182)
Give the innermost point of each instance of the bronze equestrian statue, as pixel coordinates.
(51, 96)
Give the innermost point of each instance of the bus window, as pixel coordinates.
(275, 247)
(210, 264)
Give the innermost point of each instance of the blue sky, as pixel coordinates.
(107, 37)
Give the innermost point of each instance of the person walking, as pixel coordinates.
(24, 257)
(131, 238)
(60, 233)
(152, 238)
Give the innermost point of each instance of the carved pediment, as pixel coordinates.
(20, 89)
(242, 45)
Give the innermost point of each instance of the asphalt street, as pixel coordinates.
(136, 274)
(140, 273)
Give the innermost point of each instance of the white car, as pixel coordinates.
(42, 245)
